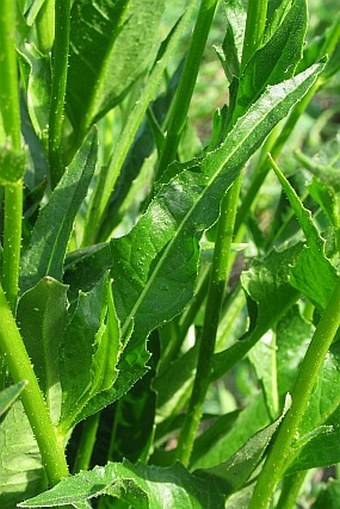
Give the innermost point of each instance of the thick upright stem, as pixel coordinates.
(219, 276)
(58, 91)
(10, 112)
(180, 106)
(20, 367)
(305, 382)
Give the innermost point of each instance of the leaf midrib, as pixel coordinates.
(214, 176)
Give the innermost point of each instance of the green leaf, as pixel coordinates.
(154, 266)
(237, 470)
(283, 51)
(111, 44)
(329, 497)
(42, 314)
(46, 252)
(321, 451)
(145, 487)
(313, 275)
(270, 295)
(9, 395)
(12, 165)
(90, 351)
(156, 263)
(21, 472)
(225, 443)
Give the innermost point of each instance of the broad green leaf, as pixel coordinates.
(12, 165)
(111, 44)
(145, 487)
(155, 265)
(237, 470)
(329, 497)
(284, 50)
(21, 472)
(269, 296)
(9, 395)
(323, 450)
(313, 275)
(42, 315)
(223, 445)
(46, 253)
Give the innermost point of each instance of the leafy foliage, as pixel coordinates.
(159, 333)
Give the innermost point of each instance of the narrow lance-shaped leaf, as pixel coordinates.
(46, 252)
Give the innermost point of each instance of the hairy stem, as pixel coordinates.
(20, 368)
(305, 382)
(10, 112)
(219, 276)
(58, 90)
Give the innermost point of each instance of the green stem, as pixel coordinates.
(45, 26)
(86, 444)
(58, 89)
(305, 382)
(255, 26)
(20, 368)
(219, 276)
(10, 112)
(291, 487)
(12, 241)
(181, 103)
